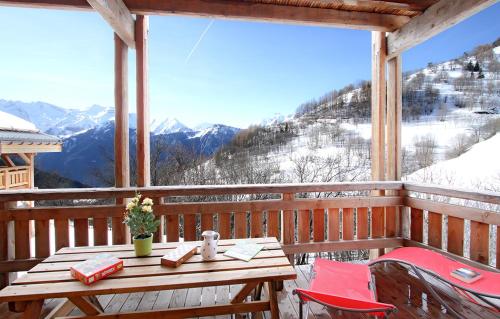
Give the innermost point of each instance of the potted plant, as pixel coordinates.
(142, 222)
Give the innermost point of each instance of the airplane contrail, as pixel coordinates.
(199, 40)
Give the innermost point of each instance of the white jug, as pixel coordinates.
(209, 245)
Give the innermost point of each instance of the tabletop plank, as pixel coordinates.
(101, 249)
(158, 270)
(150, 261)
(131, 254)
(144, 284)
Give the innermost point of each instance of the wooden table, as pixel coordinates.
(52, 279)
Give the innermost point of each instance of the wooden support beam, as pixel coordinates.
(116, 13)
(122, 165)
(143, 152)
(394, 111)
(378, 106)
(243, 10)
(25, 158)
(6, 158)
(437, 18)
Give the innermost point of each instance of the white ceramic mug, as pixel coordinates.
(209, 245)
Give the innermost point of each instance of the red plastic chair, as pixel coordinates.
(343, 286)
(425, 263)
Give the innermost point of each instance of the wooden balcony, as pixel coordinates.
(306, 218)
(17, 177)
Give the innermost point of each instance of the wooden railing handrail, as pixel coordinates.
(476, 195)
(190, 190)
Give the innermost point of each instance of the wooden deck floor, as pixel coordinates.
(394, 285)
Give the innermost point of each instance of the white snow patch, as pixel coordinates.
(13, 123)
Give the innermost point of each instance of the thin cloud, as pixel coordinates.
(199, 41)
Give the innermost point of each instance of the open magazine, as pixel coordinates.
(244, 251)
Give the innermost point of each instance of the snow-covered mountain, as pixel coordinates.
(168, 125)
(64, 122)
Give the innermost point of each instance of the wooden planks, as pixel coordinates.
(347, 224)
(391, 221)
(479, 242)
(22, 239)
(240, 225)
(319, 225)
(394, 117)
(435, 230)
(225, 225)
(273, 224)
(256, 224)
(333, 224)
(172, 228)
(378, 222)
(456, 235)
(304, 228)
(189, 227)
(61, 227)
(362, 216)
(100, 231)
(417, 225)
(42, 239)
(81, 227)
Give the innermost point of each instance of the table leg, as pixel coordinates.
(33, 309)
(273, 300)
(244, 292)
(85, 304)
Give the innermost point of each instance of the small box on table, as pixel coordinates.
(178, 255)
(97, 268)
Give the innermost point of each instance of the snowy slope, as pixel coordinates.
(478, 168)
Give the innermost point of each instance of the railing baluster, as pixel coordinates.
(456, 235)
(417, 225)
(479, 242)
(22, 239)
(319, 225)
(100, 231)
(207, 222)
(61, 226)
(4, 240)
(498, 247)
(288, 224)
(42, 238)
(378, 222)
(225, 225)
(435, 230)
(172, 221)
(333, 224)
(347, 224)
(273, 224)
(256, 224)
(189, 227)
(158, 235)
(240, 225)
(81, 226)
(390, 221)
(304, 230)
(362, 216)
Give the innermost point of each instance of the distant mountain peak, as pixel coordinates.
(168, 125)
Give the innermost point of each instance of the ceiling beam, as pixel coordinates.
(243, 10)
(437, 18)
(116, 13)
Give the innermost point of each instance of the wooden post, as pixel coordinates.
(122, 165)
(378, 108)
(143, 152)
(379, 51)
(393, 133)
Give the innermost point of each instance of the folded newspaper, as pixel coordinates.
(244, 251)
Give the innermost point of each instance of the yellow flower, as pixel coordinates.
(131, 205)
(147, 201)
(147, 209)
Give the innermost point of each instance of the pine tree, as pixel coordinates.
(477, 68)
(470, 67)
(480, 75)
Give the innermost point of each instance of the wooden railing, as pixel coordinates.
(304, 217)
(459, 222)
(14, 177)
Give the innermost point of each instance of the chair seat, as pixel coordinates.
(343, 286)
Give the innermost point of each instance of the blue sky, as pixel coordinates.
(239, 73)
